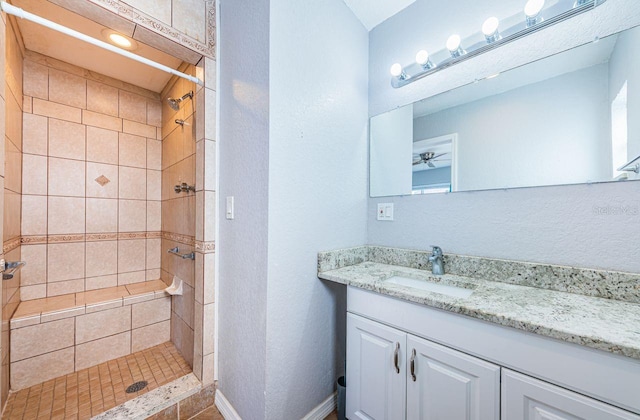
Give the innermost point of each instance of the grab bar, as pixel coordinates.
(10, 269)
(176, 251)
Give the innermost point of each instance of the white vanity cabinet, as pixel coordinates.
(395, 375)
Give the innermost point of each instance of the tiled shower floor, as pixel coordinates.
(88, 392)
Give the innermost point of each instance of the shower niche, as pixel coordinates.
(91, 203)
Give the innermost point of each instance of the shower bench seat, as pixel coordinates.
(54, 336)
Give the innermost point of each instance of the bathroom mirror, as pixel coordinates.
(570, 118)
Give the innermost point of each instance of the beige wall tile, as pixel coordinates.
(100, 120)
(210, 165)
(101, 258)
(138, 129)
(132, 216)
(189, 17)
(102, 145)
(56, 110)
(210, 73)
(183, 305)
(35, 370)
(210, 114)
(35, 272)
(154, 216)
(200, 150)
(66, 215)
(182, 338)
(34, 179)
(12, 167)
(159, 9)
(34, 214)
(198, 278)
(93, 283)
(154, 154)
(65, 261)
(150, 312)
(102, 324)
(97, 185)
(99, 351)
(27, 104)
(131, 255)
(13, 213)
(208, 328)
(133, 107)
(66, 139)
(209, 281)
(153, 253)
(68, 89)
(43, 338)
(35, 80)
(66, 177)
(35, 134)
(154, 185)
(131, 278)
(208, 369)
(151, 335)
(102, 215)
(37, 291)
(209, 216)
(62, 314)
(133, 150)
(133, 183)
(153, 274)
(102, 98)
(154, 113)
(65, 287)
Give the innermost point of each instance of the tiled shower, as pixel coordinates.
(90, 204)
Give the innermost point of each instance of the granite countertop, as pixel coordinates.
(603, 324)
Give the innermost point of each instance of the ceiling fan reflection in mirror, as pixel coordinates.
(429, 158)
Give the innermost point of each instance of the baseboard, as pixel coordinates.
(225, 408)
(323, 409)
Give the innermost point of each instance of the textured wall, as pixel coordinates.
(317, 193)
(584, 225)
(243, 173)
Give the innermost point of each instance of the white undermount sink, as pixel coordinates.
(443, 289)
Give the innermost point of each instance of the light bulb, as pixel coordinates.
(396, 70)
(422, 57)
(453, 43)
(490, 26)
(533, 7)
(120, 40)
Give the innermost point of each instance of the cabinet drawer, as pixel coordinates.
(526, 398)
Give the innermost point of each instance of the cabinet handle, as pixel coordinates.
(396, 358)
(413, 365)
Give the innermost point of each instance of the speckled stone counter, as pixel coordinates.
(604, 324)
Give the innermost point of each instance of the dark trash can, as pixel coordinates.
(342, 390)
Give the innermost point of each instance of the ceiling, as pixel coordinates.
(66, 48)
(373, 12)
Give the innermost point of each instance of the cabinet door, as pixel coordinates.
(375, 370)
(525, 398)
(445, 384)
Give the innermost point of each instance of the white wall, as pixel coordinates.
(547, 133)
(584, 225)
(317, 193)
(243, 173)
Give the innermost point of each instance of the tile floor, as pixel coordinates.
(83, 394)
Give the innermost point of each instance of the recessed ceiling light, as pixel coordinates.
(119, 39)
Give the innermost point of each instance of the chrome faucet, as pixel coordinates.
(437, 261)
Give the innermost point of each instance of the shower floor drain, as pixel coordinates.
(136, 387)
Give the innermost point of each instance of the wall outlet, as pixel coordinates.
(385, 211)
(230, 212)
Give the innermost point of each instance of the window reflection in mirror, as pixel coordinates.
(570, 118)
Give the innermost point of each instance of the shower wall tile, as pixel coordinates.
(42, 368)
(95, 119)
(150, 312)
(154, 185)
(102, 324)
(154, 154)
(102, 180)
(51, 335)
(65, 287)
(132, 277)
(66, 178)
(35, 80)
(35, 134)
(68, 89)
(27, 103)
(189, 17)
(34, 214)
(33, 292)
(35, 272)
(66, 139)
(133, 183)
(101, 258)
(154, 251)
(151, 335)
(133, 150)
(102, 215)
(65, 261)
(138, 129)
(132, 215)
(154, 113)
(131, 255)
(102, 145)
(210, 167)
(154, 216)
(102, 282)
(102, 98)
(133, 107)
(56, 110)
(66, 215)
(34, 168)
(95, 352)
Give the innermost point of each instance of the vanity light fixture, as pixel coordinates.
(532, 12)
(490, 29)
(537, 16)
(453, 45)
(422, 58)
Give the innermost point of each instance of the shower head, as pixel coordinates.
(175, 103)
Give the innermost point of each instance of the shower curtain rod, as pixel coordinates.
(16, 11)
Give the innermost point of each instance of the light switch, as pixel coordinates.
(230, 208)
(385, 211)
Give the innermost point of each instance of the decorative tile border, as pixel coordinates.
(94, 237)
(53, 239)
(90, 237)
(176, 237)
(206, 247)
(10, 245)
(33, 240)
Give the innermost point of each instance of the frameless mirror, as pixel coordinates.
(570, 118)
